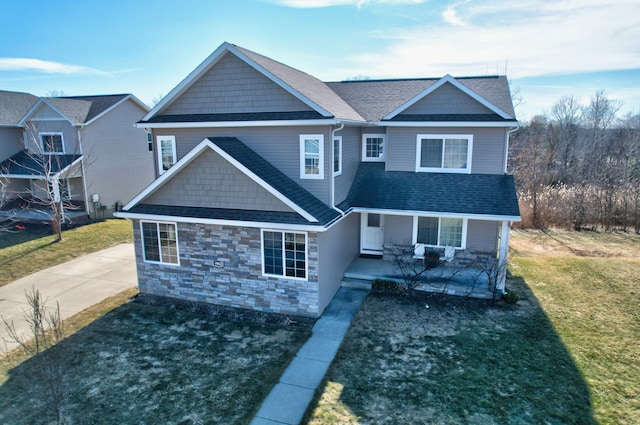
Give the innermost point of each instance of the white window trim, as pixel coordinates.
(468, 137)
(284, 268)
(320, 175)
(339, 171)
(414, 238)
(50, 133)
(364, 147)
(144, 251)
(159, 140)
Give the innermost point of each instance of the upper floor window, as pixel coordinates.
(166, 153)
(440, 231)
(444, 153)
(337, 155)
(311, 156)
(159, 242)
(52, 143)
(373, 147)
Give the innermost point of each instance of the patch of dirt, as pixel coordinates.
(235, 314)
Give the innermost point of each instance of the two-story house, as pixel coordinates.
(271, 182)
(82, 150)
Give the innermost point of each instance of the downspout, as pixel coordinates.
(506, 147)
(333, 176)
(84, 176)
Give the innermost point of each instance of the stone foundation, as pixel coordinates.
(463, 258)
(222, 265)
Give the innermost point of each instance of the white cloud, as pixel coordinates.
(527, 37)
(306, 4)
(28, 64)
(451, 16)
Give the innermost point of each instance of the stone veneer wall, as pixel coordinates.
(238, 282)
(462, 258)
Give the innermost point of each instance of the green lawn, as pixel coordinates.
(141, 364)
(31, 250)
(566, 353)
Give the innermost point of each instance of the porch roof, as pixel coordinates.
(25, 164)
(447, 193)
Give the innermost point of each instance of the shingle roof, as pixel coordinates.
(307, 85)
(82, 109)
(276, 178)
(219, 214)
(28, 164)
(251, 116)
(374, 99)
(14, 105)
(473, 194)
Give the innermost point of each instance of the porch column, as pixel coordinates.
(502, 259)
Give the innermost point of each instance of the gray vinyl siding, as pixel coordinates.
(278, 145)
(398, 229)
(447, 99)
(338, 247)
(351, 145)
(33, 128)
(118, 164)
(10, 142)
(482, 235)
(233, 86)
(210, 181)
(488, 147)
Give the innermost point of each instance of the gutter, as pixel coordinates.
(333, 177)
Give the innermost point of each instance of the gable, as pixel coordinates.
(447, 99)
(45, 112)
(210, 181)
(233, 86)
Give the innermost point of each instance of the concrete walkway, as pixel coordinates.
(75, 285)
(289, 399)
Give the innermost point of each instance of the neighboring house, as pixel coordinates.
(271, 182)
(82, 150)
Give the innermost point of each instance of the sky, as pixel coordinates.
(548, 49)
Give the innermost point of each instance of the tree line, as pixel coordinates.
(578, 166)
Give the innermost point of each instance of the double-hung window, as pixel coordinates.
(440, 231)
(160, 242)
(444, 153)
(373, 147)
(166, 153)
(284, 254)
(337, 155)
(52, 143)
(312, 156)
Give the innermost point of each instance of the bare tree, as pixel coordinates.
(46, 374)
(49, 172)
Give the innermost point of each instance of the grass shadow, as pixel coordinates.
(447, 360)
(155, 364)
(20, 233)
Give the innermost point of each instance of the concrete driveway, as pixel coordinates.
(75, 285)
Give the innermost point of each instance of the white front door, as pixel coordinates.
(372, 233)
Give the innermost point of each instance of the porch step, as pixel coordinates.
(349, 282)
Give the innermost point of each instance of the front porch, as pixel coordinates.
(444, 279)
